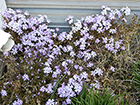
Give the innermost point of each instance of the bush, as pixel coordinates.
(45, 67)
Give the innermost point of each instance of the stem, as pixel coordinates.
(55, 87)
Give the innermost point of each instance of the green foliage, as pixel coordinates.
(96, 97)
(136, 74)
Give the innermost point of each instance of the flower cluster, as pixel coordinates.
(3, 93)
(55, 66)
(18, 102)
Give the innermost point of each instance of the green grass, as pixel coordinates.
(96, 97)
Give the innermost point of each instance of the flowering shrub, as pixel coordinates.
(50, 68)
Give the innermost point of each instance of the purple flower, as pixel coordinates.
(43, 89)
(94, 26)
(90, 64)
(69, 61)
(64, 103)
(89, 19)
(104, 12)
(82, 46)
(76, 77)
(112, 68)
(77, 43)
(112, 31)
(58, 71)
(126, 10)
(84, 75)
(47, 70)
(69, 17)
(57, 29)
(97, 41)
(105, 40)
(114, 51)
(3, 93)
(62, 36)
(93, 73)
(26, 13)
(25, 77)
(51, 102)
(111, 40)
(95, 85)
(80, 55)
(18, 11)
(65, 49)
(69, 36)
(76, 66)
(87, 56)
(54, 75)
(98, 71)
(14, 50)
(66, 91)
(5, 53)
(69, 47)
(78, 88)
(117, 44)
(93, 54)
(64, 63)
(109, 47)
(68, 101)
(71, 80)
(18, 102)
(80, 68)
(111, 15)
(118, 13)
(123, 48)
(49, 89)
(99, 30)
(112, 94)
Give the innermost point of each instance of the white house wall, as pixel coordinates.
(58, 10)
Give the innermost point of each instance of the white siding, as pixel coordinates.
(58, 10)
(2, 8)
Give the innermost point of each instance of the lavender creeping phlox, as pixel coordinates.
(72, 57)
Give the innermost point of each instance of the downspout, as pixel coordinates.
(3, 7)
